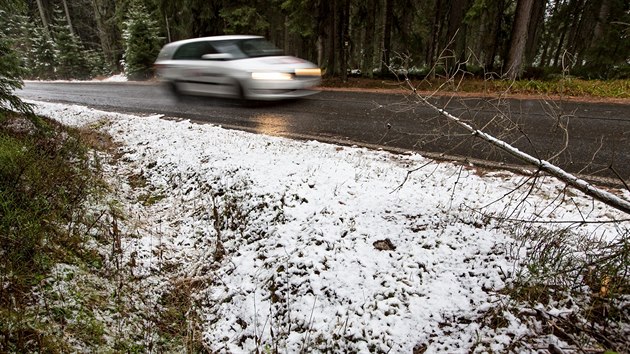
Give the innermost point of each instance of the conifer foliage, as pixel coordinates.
(42, 55)
(70, 56)
(142, 43)
(538, 39)
(33, 46)
(10, 72)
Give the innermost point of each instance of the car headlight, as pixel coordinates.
(272, 76)
(308, 72)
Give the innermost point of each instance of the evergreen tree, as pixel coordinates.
(98, 66)
(70, 59)
(10, 73)
(243, 19)
(142, 43)
(42, 55)
(18, 27)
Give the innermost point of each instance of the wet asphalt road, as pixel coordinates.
(585, 138)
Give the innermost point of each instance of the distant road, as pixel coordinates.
(598, 133)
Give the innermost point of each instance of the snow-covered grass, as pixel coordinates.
(116, 78)
(113, 78)
(304, 246)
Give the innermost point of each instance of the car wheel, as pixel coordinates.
(175, 91)
(240, 91)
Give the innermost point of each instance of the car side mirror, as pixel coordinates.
(217, 56)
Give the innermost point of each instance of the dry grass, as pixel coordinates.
(597, 90)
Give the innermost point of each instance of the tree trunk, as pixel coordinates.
(456, 34)
(344, 38)
(602, 20)
(569, 19)
(518, 40)
(285, 36)
(481, 38)
(435, 34)
(42, 14)
(556, 58)
(536, 28)
(586, 31)
(544, 56)
(334, 47)
(387, 36)
(577, 7)
(326, 24)
(602, 17)
(104, 12)
(67, 11)
(545, 59)
(367, 66)
(168, 29)
(323, 19)
(496, 30)
(320, 51)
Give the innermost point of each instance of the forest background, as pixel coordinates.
(45, 215)
(526, 39)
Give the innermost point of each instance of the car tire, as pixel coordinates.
(239, 91)
(175, 91)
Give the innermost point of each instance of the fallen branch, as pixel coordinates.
(543, 165)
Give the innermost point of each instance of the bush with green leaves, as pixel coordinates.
(142, 43)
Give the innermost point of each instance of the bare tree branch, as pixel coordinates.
(543, 165)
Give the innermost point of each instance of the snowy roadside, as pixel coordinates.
(320, 249)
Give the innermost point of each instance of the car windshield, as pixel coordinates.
(247, 48)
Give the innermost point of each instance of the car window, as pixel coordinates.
(193, 51)
(230, 47)
(259, 47)
(166, 53)
(247, 48)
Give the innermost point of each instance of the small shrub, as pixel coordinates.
(46, 176)
(141, 44)
(580, 272)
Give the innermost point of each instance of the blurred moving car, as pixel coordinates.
(247, 67)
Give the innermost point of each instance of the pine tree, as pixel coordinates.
(18, 27)
(70, 59)
(42, 55)
(142, 43)
(10, 73)
(243, 19)
(96, 63)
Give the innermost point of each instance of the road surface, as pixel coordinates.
(581, 137)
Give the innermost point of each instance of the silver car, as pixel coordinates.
(247, 67)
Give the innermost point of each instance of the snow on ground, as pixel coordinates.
(321, 249)
(116, 78)
(113, 78)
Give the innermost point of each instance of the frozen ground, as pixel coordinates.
(308, 246)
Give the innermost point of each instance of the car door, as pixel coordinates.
(196, 72)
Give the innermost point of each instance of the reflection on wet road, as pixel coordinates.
(582, 137)
(272, 124)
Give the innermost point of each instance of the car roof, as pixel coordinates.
(213, 38)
